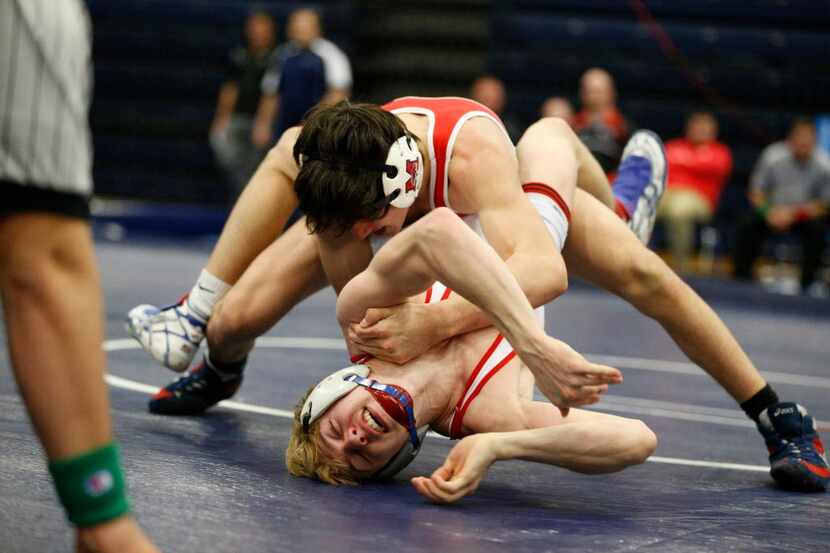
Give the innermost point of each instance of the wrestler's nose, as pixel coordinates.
(356, 437)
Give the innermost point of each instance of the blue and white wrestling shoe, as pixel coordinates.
(171, 335)
(796, 453)
(641, 181)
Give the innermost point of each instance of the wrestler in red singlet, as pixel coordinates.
(446, 116)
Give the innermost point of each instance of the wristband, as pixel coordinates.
(91, 486)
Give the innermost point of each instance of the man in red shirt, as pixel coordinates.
(698, 168)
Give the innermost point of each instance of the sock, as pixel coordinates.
(621, 210)
(226, 371)
(760, 401)
(206, 293)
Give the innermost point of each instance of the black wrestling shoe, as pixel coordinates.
(796, 453)
(195, 392)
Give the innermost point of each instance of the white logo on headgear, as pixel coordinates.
(405, 172)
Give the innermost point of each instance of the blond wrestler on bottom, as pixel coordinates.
(369, 420)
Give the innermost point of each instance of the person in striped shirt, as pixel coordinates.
(49, 283)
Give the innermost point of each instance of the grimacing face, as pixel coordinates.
(357, 431)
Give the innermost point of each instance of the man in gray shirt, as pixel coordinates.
(790, 191)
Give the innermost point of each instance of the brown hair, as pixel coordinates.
(304, 455)
(341, 150)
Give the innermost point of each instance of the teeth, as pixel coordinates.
(370, 420)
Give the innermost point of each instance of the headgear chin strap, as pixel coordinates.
(340, 383)
(403, 172)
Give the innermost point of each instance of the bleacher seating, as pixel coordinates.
(802, 13)
(159, 64)
(756, 70)
(158, 68)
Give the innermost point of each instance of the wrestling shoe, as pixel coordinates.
(641, 181)
(195, 392)
(171, 335)
(796, 454)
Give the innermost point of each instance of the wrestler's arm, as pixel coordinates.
(485, 178)
(484, 171)
(260, 213)
(585, 442)
(441, 247)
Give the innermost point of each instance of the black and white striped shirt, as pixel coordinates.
(45, 90)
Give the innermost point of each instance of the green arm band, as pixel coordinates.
(91, 486)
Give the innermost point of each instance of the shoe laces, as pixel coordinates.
(636, 163)
(190, 381)
(801, 447)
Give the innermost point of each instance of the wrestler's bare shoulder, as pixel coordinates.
(483, 161)
(280, 158)
(481, 137)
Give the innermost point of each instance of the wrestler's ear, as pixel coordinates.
(363, 228)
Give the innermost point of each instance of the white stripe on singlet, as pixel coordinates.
(497, 355)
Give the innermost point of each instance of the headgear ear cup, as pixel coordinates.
(403, 172)
(328, 391)
(340, 383)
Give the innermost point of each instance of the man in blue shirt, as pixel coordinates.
(307, 70)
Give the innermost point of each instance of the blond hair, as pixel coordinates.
(304, 455)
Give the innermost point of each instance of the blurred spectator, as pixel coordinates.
(230, 132)
(600, 124)
(490, 91)
(699, 166)
(307, 70)
(558, 106)
(790, 190)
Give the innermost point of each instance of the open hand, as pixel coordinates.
(461, 472)
(564, 376)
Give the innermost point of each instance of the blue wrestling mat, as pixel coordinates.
(218, 482)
